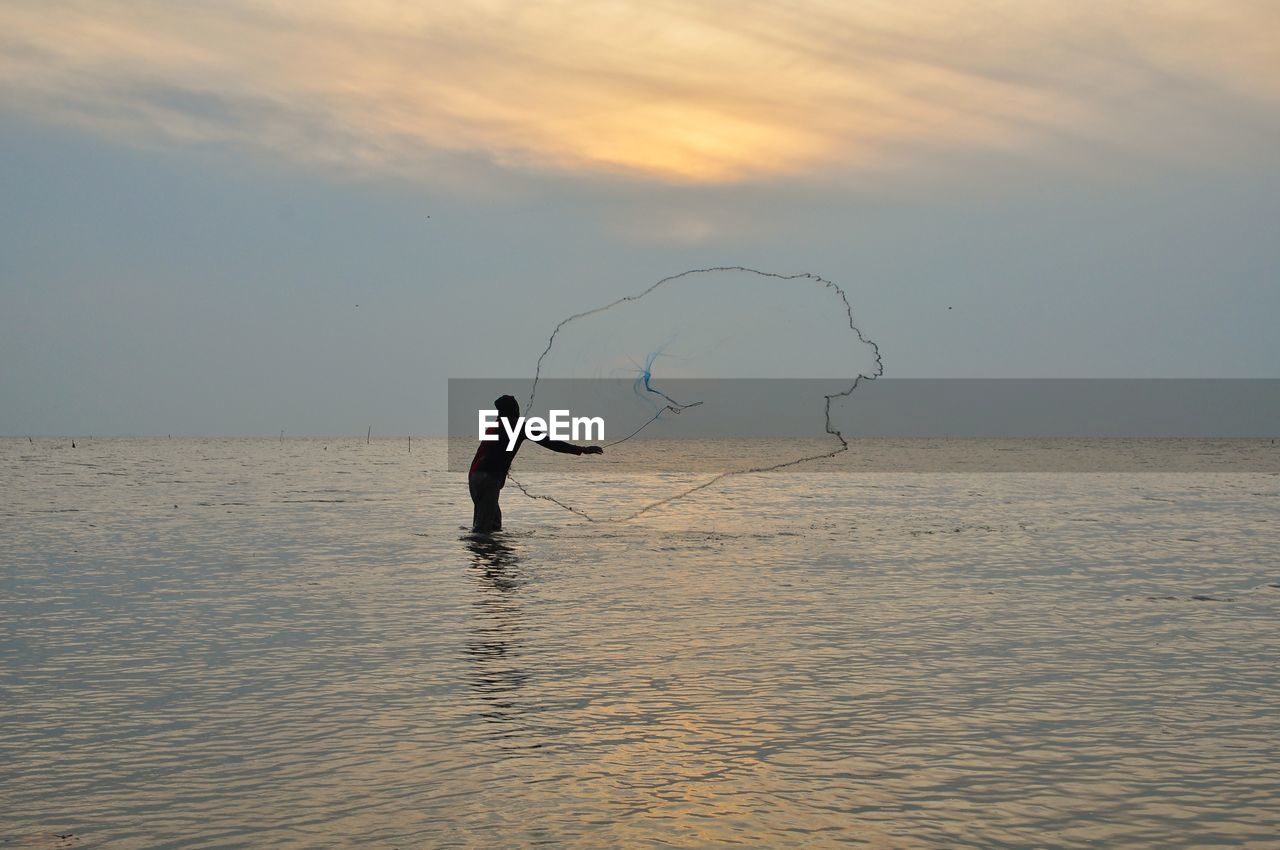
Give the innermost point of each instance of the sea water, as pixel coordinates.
(294, 643)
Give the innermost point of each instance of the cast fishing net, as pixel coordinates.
(707, 363)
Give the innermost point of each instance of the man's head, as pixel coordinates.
(508, 408)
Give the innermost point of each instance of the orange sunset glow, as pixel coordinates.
(707, 92)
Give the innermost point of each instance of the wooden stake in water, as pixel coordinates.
(368, 434)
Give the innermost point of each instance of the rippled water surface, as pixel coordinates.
(227, 643)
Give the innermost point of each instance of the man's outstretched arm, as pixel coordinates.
(568, 448)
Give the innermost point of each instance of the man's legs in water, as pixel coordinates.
(485, 491)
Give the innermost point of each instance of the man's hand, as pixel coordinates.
(592, 450)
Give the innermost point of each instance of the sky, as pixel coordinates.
(248, 216)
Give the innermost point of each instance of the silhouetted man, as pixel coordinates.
(493, 461)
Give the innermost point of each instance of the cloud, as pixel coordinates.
(713, 92)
